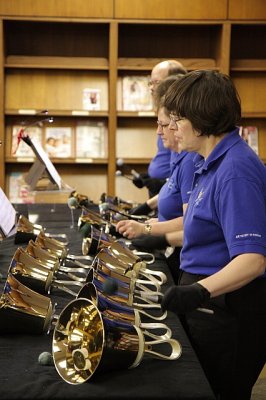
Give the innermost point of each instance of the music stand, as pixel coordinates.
(43, 168)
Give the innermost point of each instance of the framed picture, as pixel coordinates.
(58, 142)
(21, 149)
(91, 99)
(91, 140)
(251, 136)
(136, 95)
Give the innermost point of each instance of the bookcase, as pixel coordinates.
(52, 52)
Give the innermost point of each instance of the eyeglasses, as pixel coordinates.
(153, 83)
(175, 119)
(161, 125)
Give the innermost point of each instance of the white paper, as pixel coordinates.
(7, 215)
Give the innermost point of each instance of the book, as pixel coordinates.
(136, 95)
(251, 136)
(58, 142)
(19, 191)
(21, 149)
(91, 99)
(91, 140)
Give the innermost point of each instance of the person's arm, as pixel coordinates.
(239, 272)
(175, 239)
(133, 229)
(236, 274)
(172, 225)
(153, 202)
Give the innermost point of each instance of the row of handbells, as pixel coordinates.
(114, 313)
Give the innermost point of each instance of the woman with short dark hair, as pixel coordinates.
(221, 295)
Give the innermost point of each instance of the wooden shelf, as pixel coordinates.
(86, 63)
(58, 113)
(246, 65)
(72, 160)
(50, 56)
(146, 64)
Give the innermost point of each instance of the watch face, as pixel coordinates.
(147, 229)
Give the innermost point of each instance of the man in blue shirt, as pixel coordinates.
(159, 167)
(221, 296)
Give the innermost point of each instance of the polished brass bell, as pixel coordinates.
(23, 310)
(85, 341)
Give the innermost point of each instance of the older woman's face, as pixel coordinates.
(167, 135)
(185, 134)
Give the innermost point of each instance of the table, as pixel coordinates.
(22, 377)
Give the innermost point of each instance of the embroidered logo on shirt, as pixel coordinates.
(244, 235)
(199, 197)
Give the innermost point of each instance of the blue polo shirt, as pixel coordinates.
(159, 166)
(226, 214)
(177, 189)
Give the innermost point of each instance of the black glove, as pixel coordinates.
(142, 209)
(154, 185)
(149, 243)
(183, 299)
(140, 180)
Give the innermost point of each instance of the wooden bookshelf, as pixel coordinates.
(50, 52)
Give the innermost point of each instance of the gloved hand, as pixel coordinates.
(140, 180)
(142, 209)
(154, 185)
(149, 243)
(183, 299)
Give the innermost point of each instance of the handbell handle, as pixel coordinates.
(62, 285)
(151, 302)
(71, 272)
(80, 257)
(161, 275)
(149, 258)
(156, 318)
(143, 283)
(146, 326)
(175, 347)
(58, 235)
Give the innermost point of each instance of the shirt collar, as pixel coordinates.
(220, 149)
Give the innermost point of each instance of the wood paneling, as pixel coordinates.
(57, 8)
(247, 9)
(171, 9)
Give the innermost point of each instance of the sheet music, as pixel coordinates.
(7, 215)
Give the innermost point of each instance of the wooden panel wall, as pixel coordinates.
(247, 9)
(171, 9)
(58, 8)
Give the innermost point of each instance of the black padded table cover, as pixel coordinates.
(22, 377)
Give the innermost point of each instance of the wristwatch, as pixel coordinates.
(147, 229)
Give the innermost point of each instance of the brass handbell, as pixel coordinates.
(117, 310)
(129, 258)
(116, 201)
(129, 287)
(85, 341)
(92, 218)
(22, 310)
(126, 267)
(24, 225)
(46, 257)
(37, 275)
(94, 239)
(60, 250)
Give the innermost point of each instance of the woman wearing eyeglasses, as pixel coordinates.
(221, 295)
(172, 198)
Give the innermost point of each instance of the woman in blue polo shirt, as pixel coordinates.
(221, 296)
